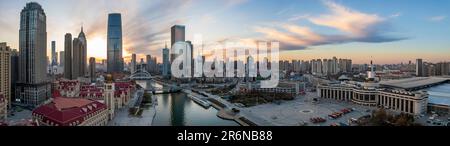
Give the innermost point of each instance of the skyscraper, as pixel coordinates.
(133, 63)
(14, 73)
(5, 73)
(54, 54)
(114, 44)
(61, 58)
(68, 56)
(177, 35)
(148, 59)
(33, 87)
(83, 53)
(419, 68)
(92, 70)
(76, 58)
(166, 62)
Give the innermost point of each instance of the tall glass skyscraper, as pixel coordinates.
(114, 54)
(177, 34)
(33, 87)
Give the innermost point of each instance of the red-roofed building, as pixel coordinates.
(71, 112)
(91, 92)
(3, 106)
(68, 88)
(122, 93)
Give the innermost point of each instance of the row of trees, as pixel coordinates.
(381, 117)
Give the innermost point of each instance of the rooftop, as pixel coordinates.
(411, 83)
(63, 111)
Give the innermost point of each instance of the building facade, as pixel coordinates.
(68, 56)
(5, 73)
(414, 103)
(419, 68)
(92, 69)
(133, 63)
(79, 56)
(71, 112)
(114, 43)
(61, 58)
(166, 63)
(177, 34)
(54, 54)
(33, 87)
(3, 108)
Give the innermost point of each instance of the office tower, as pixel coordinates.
(14, 73)
(68, 56)
(114, 44)
(5, 73)
(148, 59)
(54, 54)
(419, 68)
(76, 58)
(177, 35)
(166, 62)
(79, 54)
(83, 54)
(61, 58)
(192, 57)
(33, 88)
(133, 63)
(92, 70)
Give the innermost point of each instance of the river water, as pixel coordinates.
(176, 109)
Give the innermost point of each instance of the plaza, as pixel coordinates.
(300, 110)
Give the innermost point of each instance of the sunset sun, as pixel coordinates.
(97, 47)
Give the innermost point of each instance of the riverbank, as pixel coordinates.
(123, 117)
(229, 111)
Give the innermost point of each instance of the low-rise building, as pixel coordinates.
(294, 88)
(370, 94)
(62, 111)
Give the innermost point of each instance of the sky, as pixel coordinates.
(386, 31)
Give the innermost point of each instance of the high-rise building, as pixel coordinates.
(33, 87)
(14, 73)
(92, 70)
(61, 58)
(166, 62)
(5, 73)
(148, 59)
(79, 56)
(419, 68)
(133, 63)
(54, 54)
(68, 56)
(3, 108)
(76, 58)
(83, 53)
(114, 44)
(177, 35)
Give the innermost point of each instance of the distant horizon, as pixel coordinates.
(351, 29)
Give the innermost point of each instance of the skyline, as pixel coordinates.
(306, 29)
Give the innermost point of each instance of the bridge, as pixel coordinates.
(141, 74)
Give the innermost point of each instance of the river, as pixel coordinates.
(176, 109)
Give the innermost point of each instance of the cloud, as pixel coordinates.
(438, 18)
(354, 26)
(230, 3)
(298, 17)
(395, 15)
